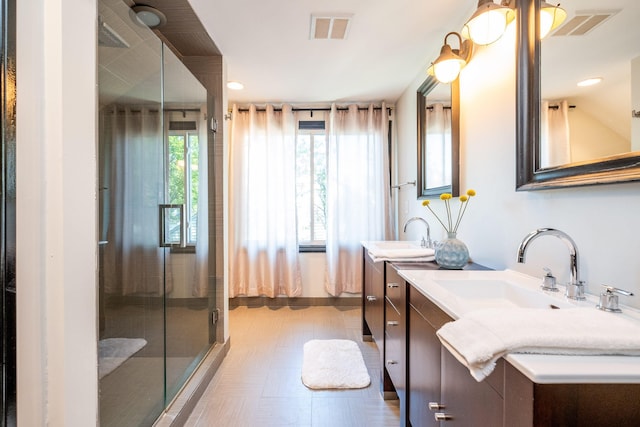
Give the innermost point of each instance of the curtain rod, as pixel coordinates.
(555, 107)
(169, 110)
(244, 110)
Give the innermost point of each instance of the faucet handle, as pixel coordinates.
(548, 281)
(608, 299)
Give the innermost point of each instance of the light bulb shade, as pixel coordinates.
(488, 23)
(550, 18)
(448, 65)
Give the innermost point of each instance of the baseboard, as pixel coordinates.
(295, 302)
(178, 412)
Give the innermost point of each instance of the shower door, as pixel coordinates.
(8, 215)
(154, 305)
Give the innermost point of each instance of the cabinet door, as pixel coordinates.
(467, 402)
(424, 370)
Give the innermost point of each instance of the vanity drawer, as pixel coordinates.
(395, 289)
(395, 358)
(395, 325)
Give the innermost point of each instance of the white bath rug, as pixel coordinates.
(337, 364)
(112, 352)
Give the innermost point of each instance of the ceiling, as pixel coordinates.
(267, 46)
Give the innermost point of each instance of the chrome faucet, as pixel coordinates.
(424, 243)
(575, 287)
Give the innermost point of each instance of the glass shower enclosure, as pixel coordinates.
(155, 304)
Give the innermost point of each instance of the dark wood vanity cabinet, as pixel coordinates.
(403, 323)
(373, 316)
(506, 397)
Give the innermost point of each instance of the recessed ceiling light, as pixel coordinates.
(590, 82)
(149, 16)
(235, 85)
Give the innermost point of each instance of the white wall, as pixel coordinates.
(601, 219)
(590, 138)
(56, 213)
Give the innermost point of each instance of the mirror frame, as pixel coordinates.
(421, 103)
(529, 174)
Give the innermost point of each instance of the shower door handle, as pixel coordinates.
(168, 226)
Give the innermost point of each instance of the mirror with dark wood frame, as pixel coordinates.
(438, 107)
(605, 50)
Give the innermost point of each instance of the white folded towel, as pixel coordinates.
(481, 337)
(396, 259)
(417, 254)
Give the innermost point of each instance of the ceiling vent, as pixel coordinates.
(325, 27)
(583, 22)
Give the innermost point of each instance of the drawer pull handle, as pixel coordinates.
(435, 406)
(392, 362)
(371, 298)
(393, 285)
(441, 416)
(392, 323)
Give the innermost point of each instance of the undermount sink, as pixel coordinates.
(462, 291)
(493, 293)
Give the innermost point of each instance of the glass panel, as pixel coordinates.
(187, 293)
(311, 188)
(303, 187)
(131, 186)
(320, 188)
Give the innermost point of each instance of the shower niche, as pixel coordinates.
(157, 268)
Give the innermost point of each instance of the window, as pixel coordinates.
(183, 150)
(311, 185)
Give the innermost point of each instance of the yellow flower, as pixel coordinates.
(450, 226)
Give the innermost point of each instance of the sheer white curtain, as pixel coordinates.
(263, 245)
(555, 147)
(358, 200)
(438, 146)
(132, 186)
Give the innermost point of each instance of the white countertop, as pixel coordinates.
(539, 368)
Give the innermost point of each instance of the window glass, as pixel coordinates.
(311, 187)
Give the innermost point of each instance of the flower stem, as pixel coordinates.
(434, 214)
(446, 202)
(461, 212)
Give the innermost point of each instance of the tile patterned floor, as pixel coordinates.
(258, 383)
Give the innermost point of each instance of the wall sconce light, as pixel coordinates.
(489, 22)
(550, 18)
(448, 65)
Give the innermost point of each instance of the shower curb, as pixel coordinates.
(179, 410)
